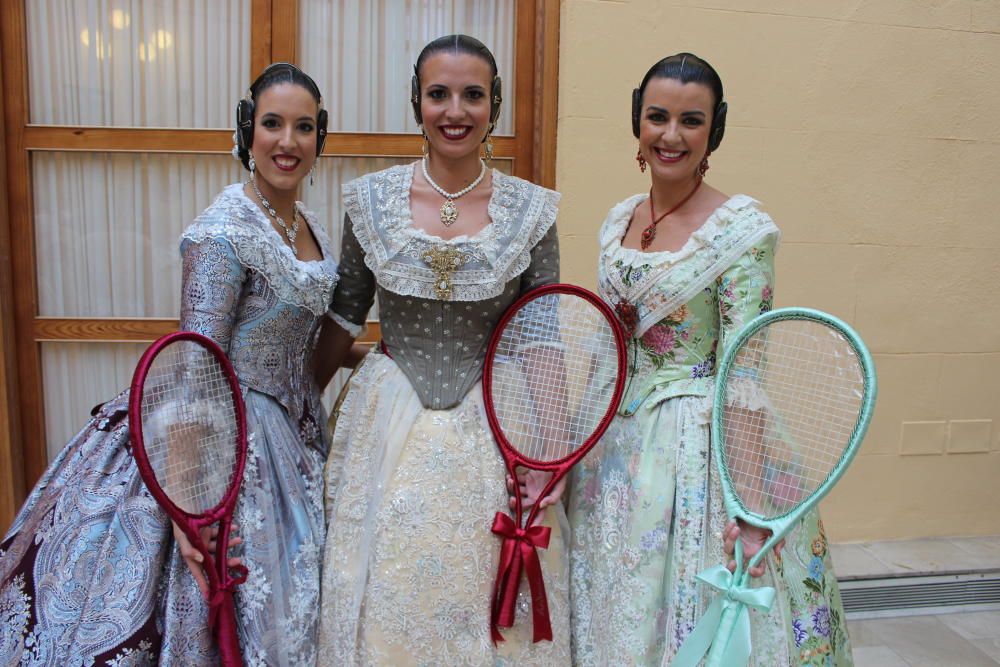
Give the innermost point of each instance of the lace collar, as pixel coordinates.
(235, 218)
(397, 252)
(657, 283)
(616, 224)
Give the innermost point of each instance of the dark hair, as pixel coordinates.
(686, 68)
(273, 75)
(457, 44)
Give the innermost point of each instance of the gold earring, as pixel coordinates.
(489, 145)
(425, 148)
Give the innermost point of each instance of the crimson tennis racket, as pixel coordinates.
(554, 375)
(188, 431)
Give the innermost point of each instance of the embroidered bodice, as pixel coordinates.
(683, 305)
(439, 299)
(244, 288)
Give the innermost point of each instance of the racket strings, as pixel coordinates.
(793, 400)
(189, 426)
(554, 371)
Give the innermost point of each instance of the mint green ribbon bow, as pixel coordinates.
(738, 647)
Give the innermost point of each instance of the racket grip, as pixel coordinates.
(227, 636)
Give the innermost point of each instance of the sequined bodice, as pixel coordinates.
(245, 288)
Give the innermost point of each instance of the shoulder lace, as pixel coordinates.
(232, 217)
(379, 207)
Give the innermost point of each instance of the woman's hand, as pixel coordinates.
(531, 484)
(753, 538)
(195, 559)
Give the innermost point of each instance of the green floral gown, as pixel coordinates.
(645, 506)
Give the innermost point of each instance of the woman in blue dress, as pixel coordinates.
(89, 574)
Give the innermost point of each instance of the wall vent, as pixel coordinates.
(921, 594)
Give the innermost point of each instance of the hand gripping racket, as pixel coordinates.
(553, 378)
(188, 432)
(793, 397)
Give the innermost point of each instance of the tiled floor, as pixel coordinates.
(956, 554)
(948, 640)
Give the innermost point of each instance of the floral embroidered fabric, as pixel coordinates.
(414, 478)
(646, 508)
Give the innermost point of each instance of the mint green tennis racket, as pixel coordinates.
(793, 397)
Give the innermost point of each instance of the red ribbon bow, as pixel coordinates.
(519, 551)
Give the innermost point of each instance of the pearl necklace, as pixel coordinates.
(290, 232)
(449, 213)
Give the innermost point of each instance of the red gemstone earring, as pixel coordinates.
(641, 160)
(703, 167)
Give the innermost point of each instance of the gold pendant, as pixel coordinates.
(444, 261)
(449, 214)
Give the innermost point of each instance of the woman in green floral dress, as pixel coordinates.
(685, 268)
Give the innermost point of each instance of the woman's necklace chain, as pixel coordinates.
(290, 232)
(449, 213)
(649, 233)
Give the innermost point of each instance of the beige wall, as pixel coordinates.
(869, 130)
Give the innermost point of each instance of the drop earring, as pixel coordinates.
(703, 167)
(641, 160)
(489, 145)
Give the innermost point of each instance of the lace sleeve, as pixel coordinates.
(544, 266)
(212, 279)
(355, 291)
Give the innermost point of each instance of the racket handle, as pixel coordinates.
(227, 636)
(722, 637)
(718, 655)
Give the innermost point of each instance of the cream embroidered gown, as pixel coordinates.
(645, 507)
(414, 478)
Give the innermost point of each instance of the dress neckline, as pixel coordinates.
(409, 226)
(694, 240)
(262, 218)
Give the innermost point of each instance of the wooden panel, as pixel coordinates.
(284, 31)
(260, 38)
(125, 330)
(13, 52)
(524, 66)
(11, 462)
(141, 140)
(110, 330)
(546, 90)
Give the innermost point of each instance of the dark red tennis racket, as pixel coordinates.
(554, 375)
(188, 431)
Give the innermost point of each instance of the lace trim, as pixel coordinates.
(379, 207)
(730, 231)
(232, 217)
(747, 394)
(355, 330)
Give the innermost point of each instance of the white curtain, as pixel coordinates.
(107, 227)
(361, 54)
(78, 376)
(107, 224)
(136, 63)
